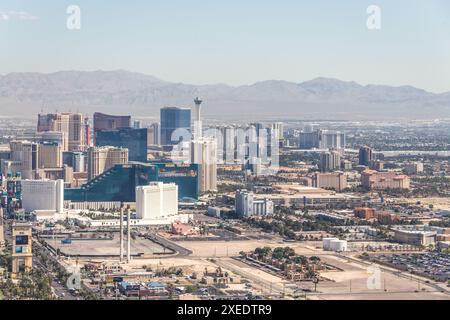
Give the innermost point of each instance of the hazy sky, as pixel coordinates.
(234, 41)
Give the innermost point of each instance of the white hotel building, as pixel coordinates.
(43, 196)
(157, 202)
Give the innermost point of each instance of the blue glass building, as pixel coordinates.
(119, 183)
(171, 120)
(135, 140)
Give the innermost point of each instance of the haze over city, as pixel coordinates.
(234, 42)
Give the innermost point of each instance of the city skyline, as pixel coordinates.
(234, 43)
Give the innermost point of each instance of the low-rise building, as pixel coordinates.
(387, 217)
(415, 237)
(374, 180)
(364, 213)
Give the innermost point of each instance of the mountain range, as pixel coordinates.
(123, 92)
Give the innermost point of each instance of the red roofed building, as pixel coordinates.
(183, 229)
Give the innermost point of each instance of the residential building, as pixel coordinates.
(365, 156)
(204, 153)
(332, 140)
(330, 161)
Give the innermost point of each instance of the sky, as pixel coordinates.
(235, 42)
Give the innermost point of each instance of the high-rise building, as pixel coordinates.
(277, 130)
(332, 140)
(137, 124)
(321, 139)
(79, 162)
(43, 195)
(135, 140)
(53, 137)
(173, 119)
(244, 203)
(330, 161)
(154, 127)
(24, 159)
(101, 159)
(50, 155)
(74, 126)
(309, 140)
(110, 122)
(156, 201)
(365, 156)
(204, 153)
(76, 160)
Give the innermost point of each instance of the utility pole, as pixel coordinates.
(129, 235)
(121, 232)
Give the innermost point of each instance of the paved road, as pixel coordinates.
(60, 290)
(169, 244)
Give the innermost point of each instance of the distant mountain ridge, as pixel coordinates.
(143, 95)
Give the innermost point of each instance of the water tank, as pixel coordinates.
(338, 245)
(327, 243)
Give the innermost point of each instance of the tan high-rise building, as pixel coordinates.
(101, 159)
(25, 156)
(73, 125)
(204, 153)
(50, 156)
(22, 253)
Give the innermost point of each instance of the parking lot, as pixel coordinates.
(434, 265)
